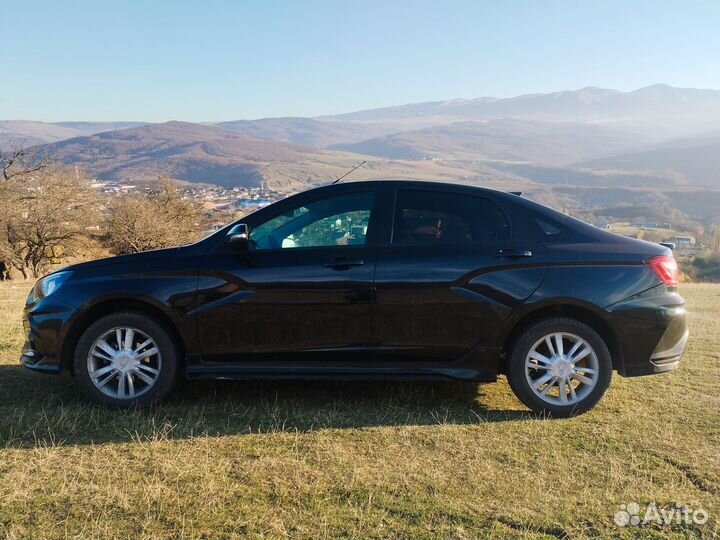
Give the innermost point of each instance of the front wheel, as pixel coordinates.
(559, 367)
(126, 359)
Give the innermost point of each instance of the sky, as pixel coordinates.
(214, 60)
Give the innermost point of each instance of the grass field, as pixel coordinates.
(283, 460)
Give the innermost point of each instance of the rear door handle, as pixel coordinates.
(513, 253)
(343, 263)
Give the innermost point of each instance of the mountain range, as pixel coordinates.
(657, 135)
(678, 111)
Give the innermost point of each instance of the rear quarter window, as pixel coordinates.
(549, 229)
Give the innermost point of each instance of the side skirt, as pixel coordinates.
(247, 372)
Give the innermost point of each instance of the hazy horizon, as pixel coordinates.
(387, 106)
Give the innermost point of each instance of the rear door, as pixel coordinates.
(452, 271)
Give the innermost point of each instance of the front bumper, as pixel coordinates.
(45, 323)
(35, 361)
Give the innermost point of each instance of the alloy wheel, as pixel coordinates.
(561, 368)
(124, 363)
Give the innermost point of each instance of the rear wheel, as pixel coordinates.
(126, 359)
(559, 367)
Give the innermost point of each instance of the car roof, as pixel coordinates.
(521, 203)
(417, 184)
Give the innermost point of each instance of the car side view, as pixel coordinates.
(370, 280)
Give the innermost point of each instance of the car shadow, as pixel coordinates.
(41, 410)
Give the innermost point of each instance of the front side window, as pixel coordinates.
(335, 221)
(437, 218)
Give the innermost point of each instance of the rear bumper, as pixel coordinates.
(669, 359)
(652, 334)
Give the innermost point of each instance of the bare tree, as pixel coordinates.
(15, 163)
(158, 219)
(48, 214)
(20, 162)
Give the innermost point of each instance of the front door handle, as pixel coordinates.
(513, 253)
(343, 263)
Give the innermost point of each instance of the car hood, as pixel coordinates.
(120, 259)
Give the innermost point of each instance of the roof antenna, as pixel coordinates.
(351, 170)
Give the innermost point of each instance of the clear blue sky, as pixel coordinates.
(212, 60)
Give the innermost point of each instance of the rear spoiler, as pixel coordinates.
(518, 193)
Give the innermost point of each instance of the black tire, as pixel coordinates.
(518, 378)
(165, 380)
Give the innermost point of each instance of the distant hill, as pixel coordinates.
(15, 133)
(504, 140)
(90, 128)
(208, 154)
(697, 160)
(306, 131)
(179, 150)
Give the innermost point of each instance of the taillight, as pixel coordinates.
(666, 269)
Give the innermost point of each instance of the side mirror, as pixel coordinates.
(239, 236)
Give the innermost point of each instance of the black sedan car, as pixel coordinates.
(370, 280)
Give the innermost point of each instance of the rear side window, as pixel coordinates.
(437, 218)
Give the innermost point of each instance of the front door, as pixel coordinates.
(303, 289)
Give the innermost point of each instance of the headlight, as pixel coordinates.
(49, 284)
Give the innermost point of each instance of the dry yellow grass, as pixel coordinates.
(310, 460)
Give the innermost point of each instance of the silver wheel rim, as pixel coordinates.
(562, 368)
(124, 363)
